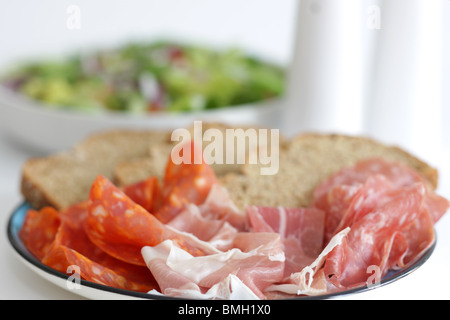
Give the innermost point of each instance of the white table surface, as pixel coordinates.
(430, 281)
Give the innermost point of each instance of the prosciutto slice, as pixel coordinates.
(218, 233)
(219, 206)
(217, 220)
(256, 261)
(311, 279)
(301, 231)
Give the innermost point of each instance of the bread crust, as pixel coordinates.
(35, 195)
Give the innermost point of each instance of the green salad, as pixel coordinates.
(142, 78)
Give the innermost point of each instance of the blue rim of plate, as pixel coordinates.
(16, 221)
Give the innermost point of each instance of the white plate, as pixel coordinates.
(92, 290)
(49, 130)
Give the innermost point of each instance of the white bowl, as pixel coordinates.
(39, 128)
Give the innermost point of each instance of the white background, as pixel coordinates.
(407, 102)
(28, 27)
(446, 73)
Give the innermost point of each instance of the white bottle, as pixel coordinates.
(405, 105)
(326, 83)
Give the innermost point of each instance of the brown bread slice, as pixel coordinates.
(137, 169)
(307, 161)
(63, 179)
(124, 156)
(154, 164)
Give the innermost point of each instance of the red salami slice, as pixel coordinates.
(39, 230)
(97, 273)
(390, 210)
(56, 258)
(188, 182)
(72, 247)
(75, 215)
(335, 204)
(67, 260)
(377, 240)
(437, 205)
(145, 193)
(363, 186)
(121, 228)
(71, 233)
(399, 174)
(345, 204)
(416, 238)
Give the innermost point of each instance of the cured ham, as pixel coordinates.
(184, 237)
(256, 262)
(301, 231)
(218, 233)
(311, 279)
(215, 220)
(219, 206)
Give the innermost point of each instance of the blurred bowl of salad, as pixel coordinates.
(51, 104)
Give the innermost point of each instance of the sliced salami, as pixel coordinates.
(188, 182)
(399, 174)
(70, 261)
(39, 230)
(145, 193)
(58, 240)
(121, 227)
(370, 243)
(358, 189)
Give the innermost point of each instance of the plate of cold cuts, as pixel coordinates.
(357, 235)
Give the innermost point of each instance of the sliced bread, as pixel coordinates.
(307, 161)
(154, 164)
(63, 179)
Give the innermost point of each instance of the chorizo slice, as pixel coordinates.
(121, 227)
(188, 182)
(146, 193)
(39, 230)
